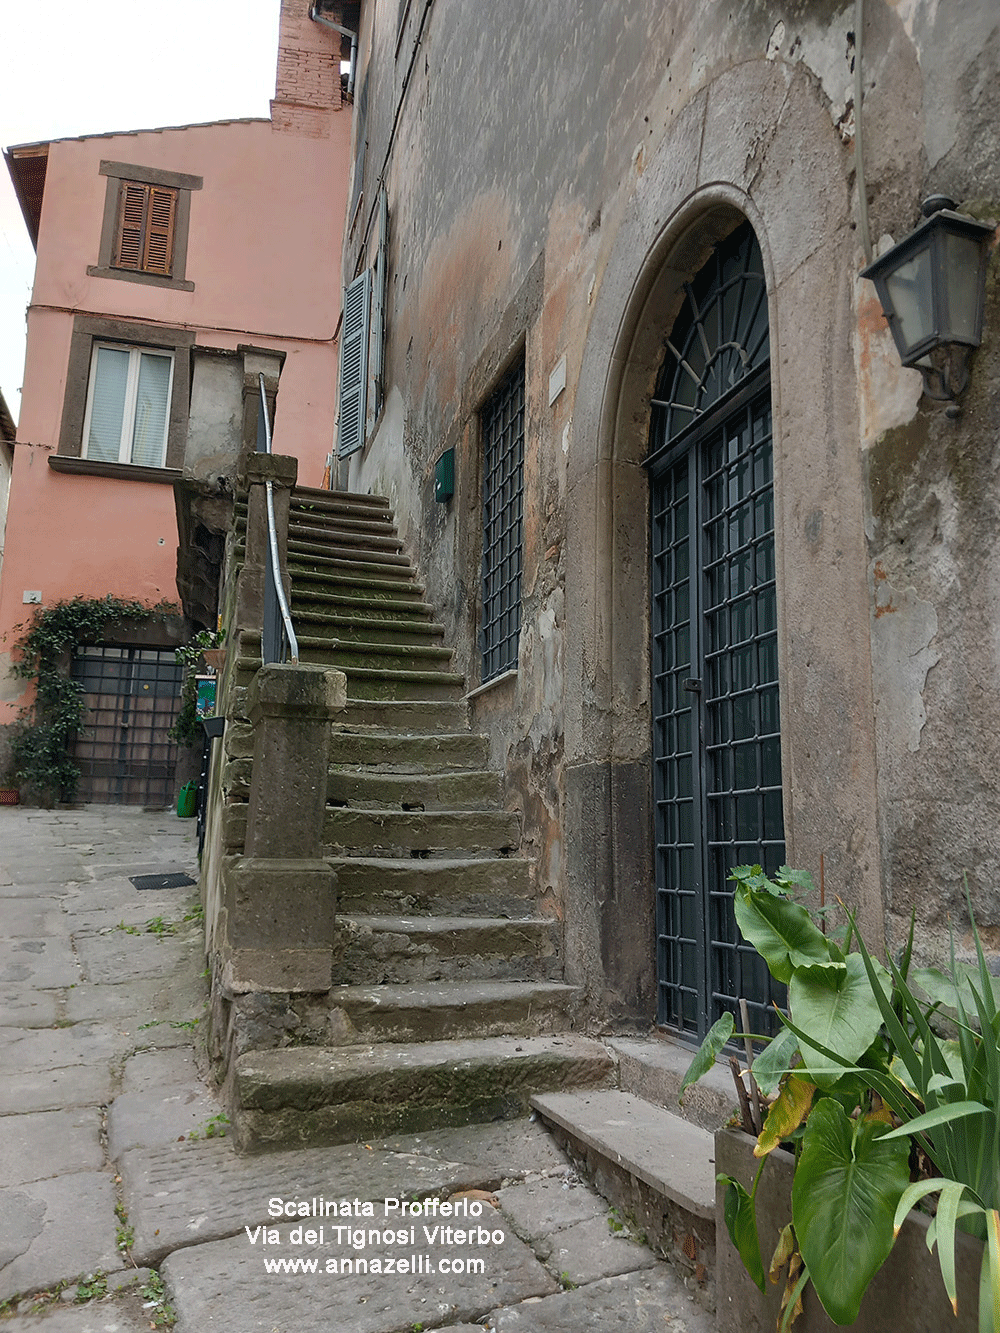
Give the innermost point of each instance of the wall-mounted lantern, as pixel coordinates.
(931, 286)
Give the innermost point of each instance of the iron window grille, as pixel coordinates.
(503, 494)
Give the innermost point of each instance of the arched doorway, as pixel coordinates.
(717, 793)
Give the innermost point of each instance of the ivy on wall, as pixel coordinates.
(43, 734)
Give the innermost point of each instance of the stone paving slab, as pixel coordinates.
(590, 1250)
(108, 1316)
(20, 1008)
(119, 956)
(52, 1089)
(57, 1229)
(42, 1144)
(149, 1071)
(164, 1100)
(42, 963)
(539, 1207)
(31, 916)
(194, 1192)
(48, 871)
(653, 1301)
(82, 1043)
(223, 1287)
(506, 1149)
(186, 1193)
(156, 1001)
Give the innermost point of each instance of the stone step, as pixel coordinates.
(376, 544)
(380, 685)
(307, 549)
(452, 886)
(353, 518)
(399, 833)
(367, 629)
(393, 752)
(412, 717)
(446, 1010)
(414, 791)
(309, 560)
(351, 499)
(654, 1167)
(416, 657)
(310, 1095)
(352, 578)
(375, 600)
(376, 950)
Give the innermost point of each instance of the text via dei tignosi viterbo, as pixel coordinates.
(345, 1237)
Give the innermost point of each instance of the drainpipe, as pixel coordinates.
(317, 17)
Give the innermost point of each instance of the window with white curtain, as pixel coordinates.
(128, 405)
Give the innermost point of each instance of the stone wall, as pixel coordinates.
(551, 184)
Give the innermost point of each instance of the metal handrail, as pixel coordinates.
(272, 535)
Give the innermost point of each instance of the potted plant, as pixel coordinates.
(882, 1109)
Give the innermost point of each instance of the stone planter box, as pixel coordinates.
(905, 1296)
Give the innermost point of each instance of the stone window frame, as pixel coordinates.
(88, 330)
(121, 173)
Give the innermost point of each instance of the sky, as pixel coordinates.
(74, 67)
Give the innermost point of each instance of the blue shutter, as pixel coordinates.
(354, 365)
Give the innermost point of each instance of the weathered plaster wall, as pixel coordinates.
(552, 179)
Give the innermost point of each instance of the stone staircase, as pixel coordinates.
(448, 1005)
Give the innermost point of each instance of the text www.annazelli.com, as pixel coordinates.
(380, 1265)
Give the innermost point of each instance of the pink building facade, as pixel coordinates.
(159, 251)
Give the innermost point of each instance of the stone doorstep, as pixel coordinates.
(672, 1156)
(654, 1068)
(655, 1168)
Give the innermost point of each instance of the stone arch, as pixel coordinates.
(678, 213)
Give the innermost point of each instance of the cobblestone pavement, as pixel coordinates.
(123, 1205)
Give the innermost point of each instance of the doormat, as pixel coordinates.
(175, 881)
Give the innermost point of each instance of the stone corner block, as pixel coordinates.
(290, 971)
(281, 469)
(296, 690)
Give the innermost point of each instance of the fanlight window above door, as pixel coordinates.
(719, 338)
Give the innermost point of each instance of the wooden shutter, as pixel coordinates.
(354, 365)
(145, 241)
(159, 250)
(131, 225)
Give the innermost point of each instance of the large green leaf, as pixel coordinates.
(847, 1184)
(941, 1115)
(741, 1223)
(774, 1061)
(948, 990)
(837, 1007)
(716, 1037)
(781, 931)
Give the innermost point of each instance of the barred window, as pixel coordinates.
(503, 489)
